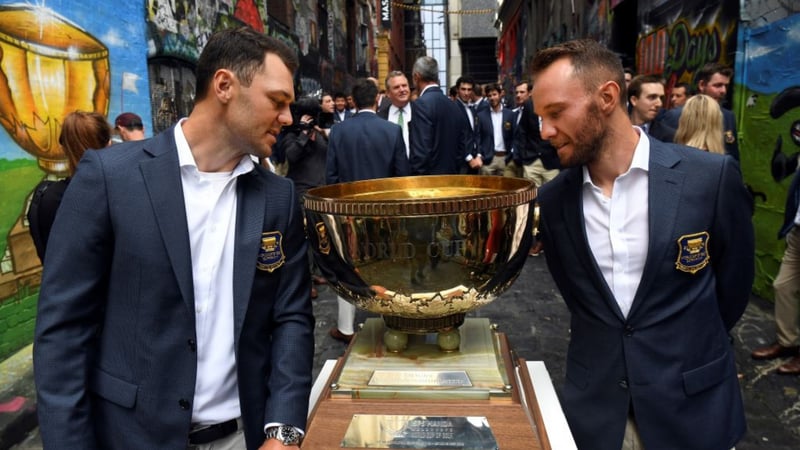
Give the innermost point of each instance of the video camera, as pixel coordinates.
(305, 106)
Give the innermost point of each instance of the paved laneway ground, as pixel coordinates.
(536, 322)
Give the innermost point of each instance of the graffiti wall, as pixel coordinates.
(683, 36)
(767, 92)
(54, 59)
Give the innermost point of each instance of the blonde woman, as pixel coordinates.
(700, 125)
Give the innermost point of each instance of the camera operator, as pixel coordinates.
(305, 147)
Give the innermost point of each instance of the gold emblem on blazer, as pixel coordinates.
(322, 238)
(270, 255)
(507, 125)
(692, 252)
(729, 137)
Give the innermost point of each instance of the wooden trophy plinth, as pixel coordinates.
(479, 397)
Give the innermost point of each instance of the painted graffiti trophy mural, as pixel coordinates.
(49, 67)
(54, 59)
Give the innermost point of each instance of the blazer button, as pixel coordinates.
(623, 383)
(184, 404)
(629, 331)
(192, 344)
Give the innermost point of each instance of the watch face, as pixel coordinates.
(288, 435)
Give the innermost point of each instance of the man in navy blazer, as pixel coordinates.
(494, 128)
(651, 246)
(175, 302)
(441, 132)
(713, 80)
(362, 148)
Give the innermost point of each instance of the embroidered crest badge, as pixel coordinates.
(270, 255)
(692, 252)
(729, 137)
(322, 238)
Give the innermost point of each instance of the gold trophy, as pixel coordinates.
(422, 252)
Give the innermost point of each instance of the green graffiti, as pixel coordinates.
(690, 49)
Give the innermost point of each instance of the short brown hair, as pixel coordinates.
(241, 50)
(591, 61)
(635, 86)
(81, 131)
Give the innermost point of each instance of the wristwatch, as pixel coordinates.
(288, 435)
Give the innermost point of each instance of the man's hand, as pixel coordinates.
(476, 162)
(274, 444)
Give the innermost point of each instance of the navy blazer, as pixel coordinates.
(365, 147)
(440, 135)
(484, 130)
(670, 359)
(115, 343)
(729, 136)
(790, 210)
(472, 132)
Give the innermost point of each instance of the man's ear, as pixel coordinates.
(223, 83)
(608, 94)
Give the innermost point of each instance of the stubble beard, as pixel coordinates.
(589, 140)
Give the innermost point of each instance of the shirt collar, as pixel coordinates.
(186, 158)
(640, 160)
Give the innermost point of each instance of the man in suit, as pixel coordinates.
(534, 155)
(466, 86)
(362, 148)
(441, 131)
(340, 111)
(495, 133)
(399, 108)
(713, 80)
(646, 99)
(787, 285)
(174, 310)
(652, 248)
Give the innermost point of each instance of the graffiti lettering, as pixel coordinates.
(690, 49)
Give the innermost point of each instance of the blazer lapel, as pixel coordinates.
(162, 180)
(250, 212)
(572, 209)
(664, 192)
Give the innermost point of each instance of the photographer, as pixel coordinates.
(304, 145)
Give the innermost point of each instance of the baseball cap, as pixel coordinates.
(128, 120)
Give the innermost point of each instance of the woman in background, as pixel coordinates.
(80, 131)
(700, 125)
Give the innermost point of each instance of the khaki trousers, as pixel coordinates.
(787, 291)
(234, 441)
(536, 172)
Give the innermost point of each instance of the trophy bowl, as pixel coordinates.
(421, 251)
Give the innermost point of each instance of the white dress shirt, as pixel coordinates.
(497, 129)
(617, 227)
(394, 114)
(210, 201)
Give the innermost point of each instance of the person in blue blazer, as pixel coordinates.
(713, 80)
(363, 147)
(175, 306)
(491, 153)
(651, 246)
(441, 133)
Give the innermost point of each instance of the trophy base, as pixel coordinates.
(433, 390)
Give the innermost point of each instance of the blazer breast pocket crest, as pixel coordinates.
(270, 255)
(693, 252)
